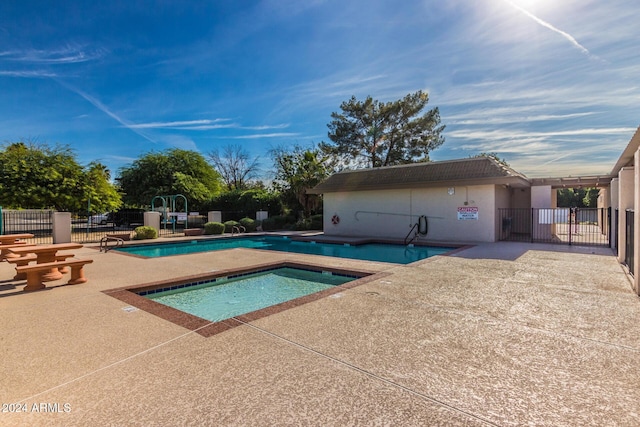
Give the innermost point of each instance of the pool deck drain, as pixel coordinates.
(498, 334)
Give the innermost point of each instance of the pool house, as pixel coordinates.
(479, 200)
(459, 198)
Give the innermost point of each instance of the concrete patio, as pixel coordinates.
(497, 334)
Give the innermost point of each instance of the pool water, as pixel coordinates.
(398, 254)
(223, 298)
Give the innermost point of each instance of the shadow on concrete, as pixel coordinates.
(511, 251)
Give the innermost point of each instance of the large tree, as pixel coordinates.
(235, 166)
(298, 170)
(493, 156)
(174, 171)
(374, 133)
(578, 197)
(103, 195)
(38, 176)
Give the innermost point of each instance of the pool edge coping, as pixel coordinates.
(455, 247)
(207, 328)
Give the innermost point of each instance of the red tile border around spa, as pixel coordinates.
(206, 328)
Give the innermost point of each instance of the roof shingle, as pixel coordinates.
(475, 170)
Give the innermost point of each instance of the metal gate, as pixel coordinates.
(629, 243)
(615, 240)
(571, 226)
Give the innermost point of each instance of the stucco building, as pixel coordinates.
(460, 199)
(479, 200)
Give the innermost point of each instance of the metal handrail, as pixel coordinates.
(408, 234)
(237, 229)
(104, 243)
(418, 227)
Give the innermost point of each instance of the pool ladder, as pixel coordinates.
(104, 243)
(420, 228)
(237, 229)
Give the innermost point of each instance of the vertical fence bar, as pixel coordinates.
(572, 216)
(569, 226)
(629, 244)
(617, 227)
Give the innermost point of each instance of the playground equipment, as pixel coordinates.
(168, 212)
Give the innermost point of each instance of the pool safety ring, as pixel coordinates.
(423, 227)
(335, 220)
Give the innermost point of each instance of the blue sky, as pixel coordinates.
(551, 86)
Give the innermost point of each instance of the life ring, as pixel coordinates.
(423, 227)
(335, 220)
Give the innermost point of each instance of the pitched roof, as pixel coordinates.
(472, 171)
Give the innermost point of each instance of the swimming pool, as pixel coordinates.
(226, 297)
(398, 254)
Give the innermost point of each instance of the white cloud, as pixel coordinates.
(185, 124)
(63, 55)
(493, 117)
(265, 135)
(28, 74)
(479, 135)
(180, 141)
(203, 124)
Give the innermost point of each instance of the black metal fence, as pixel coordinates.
(570, 226)
(32, 221)
(629, 254)
(89, 227)
(615, 236)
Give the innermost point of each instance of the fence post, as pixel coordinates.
(1, 221)
(261, 215)
(152, 219)
(214, 216)
(61, 227)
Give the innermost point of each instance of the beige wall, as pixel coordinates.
(520, 198)
(636, 221)
(625, 201)
(391, 213)
(502, 200)
(541, 196)
(614, 200)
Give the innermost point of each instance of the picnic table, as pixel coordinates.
(44, 254)
(10, 240)
(6, 239)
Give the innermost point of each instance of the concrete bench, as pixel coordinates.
(6, 255)
(193, 231)
(35, 272)
(25, 260)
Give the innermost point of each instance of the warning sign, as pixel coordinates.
(467, 212)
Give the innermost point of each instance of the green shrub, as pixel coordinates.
(302, 224)
(246, 201)
(145, 232)
(279, 222)
(213, 228)
(249, 224)
(312, 223)
(268, 224)
(228, 226)
(316, 222)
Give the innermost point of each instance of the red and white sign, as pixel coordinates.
(467, 212)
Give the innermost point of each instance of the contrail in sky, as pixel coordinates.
(552, 28)
(100, 106)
